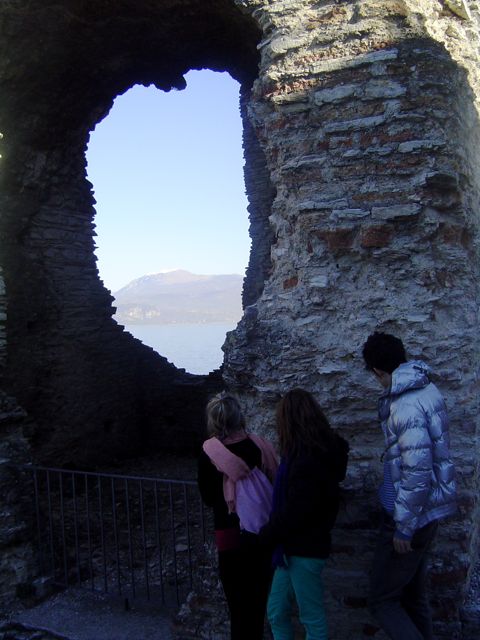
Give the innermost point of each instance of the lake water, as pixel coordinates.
(194, 347)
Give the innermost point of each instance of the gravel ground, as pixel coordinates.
(83, 615)
(13, 631)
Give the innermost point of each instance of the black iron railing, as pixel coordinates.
(128, 535)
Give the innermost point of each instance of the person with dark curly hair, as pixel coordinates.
(418, 487)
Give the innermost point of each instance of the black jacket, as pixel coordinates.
(308, 513)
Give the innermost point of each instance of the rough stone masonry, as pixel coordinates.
(361, 140)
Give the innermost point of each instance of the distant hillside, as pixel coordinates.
(179, 297)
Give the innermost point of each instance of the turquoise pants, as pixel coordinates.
(300, 580)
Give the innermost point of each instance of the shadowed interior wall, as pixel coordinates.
(361, 139)
(94, 391)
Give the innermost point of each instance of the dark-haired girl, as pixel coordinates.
(306, 501)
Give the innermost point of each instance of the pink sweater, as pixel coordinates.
(234, 468)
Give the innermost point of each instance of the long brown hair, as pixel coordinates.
(301, 423)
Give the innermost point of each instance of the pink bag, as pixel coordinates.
(248, 492)
(253, 503)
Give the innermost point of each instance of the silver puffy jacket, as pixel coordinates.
(415, 424)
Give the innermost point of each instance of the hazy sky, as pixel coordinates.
(167, 171)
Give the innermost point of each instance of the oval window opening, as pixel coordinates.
(171, 222)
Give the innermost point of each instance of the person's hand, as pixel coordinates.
(401, 546)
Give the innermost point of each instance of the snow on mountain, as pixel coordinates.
(180, 297)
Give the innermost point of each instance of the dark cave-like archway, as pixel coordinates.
(94, 392)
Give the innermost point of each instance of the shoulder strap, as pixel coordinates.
(224, 460)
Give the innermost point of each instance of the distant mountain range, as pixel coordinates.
(180, 297)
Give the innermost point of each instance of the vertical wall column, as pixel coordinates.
(370, 130)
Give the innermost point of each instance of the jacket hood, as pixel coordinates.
(414, 374)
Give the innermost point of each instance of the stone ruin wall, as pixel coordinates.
(368, 113)
(361, 143)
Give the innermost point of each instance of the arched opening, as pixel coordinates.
(86, 393)
(171, 223)
(94, 393)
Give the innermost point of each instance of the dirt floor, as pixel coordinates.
(82, 615)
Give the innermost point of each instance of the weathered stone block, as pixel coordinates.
(336, 94)
(376, 236)
(289, 283)
(396, 212)
(338, 239)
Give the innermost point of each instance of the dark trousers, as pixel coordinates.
(398, 591)
(246, 575)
